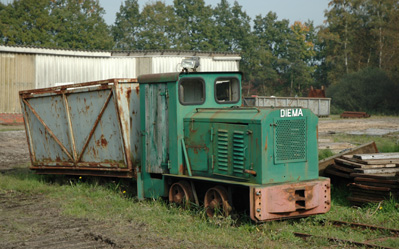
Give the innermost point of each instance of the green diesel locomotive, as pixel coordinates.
(182, 136)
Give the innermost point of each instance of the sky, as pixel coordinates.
(293, 10)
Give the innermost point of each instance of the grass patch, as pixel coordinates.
(106, 203)
(114, 201)
(385, 143)
(11, 127)
(324, 153)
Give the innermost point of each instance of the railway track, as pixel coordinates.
(393, 233)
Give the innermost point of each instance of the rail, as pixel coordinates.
(366, 244)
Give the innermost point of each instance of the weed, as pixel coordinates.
(325, 153)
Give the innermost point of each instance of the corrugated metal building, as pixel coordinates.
(23, 68)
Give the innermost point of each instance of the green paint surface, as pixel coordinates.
(223, 140)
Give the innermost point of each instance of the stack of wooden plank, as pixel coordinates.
(371, 177)
(347, 114)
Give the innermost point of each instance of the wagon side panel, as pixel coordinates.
(79, 130)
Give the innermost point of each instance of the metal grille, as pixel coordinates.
(290, 140)
(238, 152)
(223, 141)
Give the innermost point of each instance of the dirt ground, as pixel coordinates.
(13, 147)
(369, 126)
(33, 222)
(374, 126)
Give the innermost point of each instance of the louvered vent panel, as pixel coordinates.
(223, 142)
(290, 140)
(238, 152)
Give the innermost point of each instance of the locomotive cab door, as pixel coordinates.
(156, 130)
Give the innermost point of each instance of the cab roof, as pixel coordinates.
(173, 77)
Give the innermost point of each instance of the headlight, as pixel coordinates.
(190, 63)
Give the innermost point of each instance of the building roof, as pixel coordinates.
(115, 53)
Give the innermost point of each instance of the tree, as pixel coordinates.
(370, 89)
(157, 26)
(383, 26)
(300, 56)
(268, 53)
(26, 22)
(127, 25)
(360, 34)
(232, 26)
(282, 55)
(57, 23)
(80, 25)
(338, 37)
(195, 27)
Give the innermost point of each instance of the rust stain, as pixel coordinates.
(196, 148)
(138, 90)
(266, 143)
(94, 152)
(128, 93)
(120, 109)
(102, 142)
(216, 114)
(125, 122)
(181, 169)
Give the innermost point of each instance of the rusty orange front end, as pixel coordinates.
(290, 200)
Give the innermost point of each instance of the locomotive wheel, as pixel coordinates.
(181, 194)
(216, 199)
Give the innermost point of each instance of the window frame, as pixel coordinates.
(203, 90)
(227, 78)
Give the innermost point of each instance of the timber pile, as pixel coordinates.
(372, 177)
(347, 114)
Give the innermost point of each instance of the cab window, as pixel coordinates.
(227, 90)
(192, 91)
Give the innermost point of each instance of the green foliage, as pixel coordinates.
(60, 23)
(232, 27)
(80, 25)
(157, 27)
(279, 57)
(26, 22)
(325, 153)
(194, 25)
(369, 90)
(357, 35)
(126, 25)
(385, 148)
